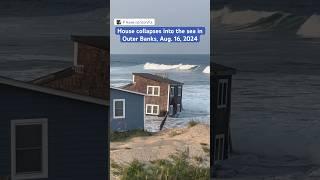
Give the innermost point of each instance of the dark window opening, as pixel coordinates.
(28, 148)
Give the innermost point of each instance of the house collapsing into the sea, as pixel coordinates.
(163, 95)
(221, 80)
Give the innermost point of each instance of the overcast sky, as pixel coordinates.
(166, 13)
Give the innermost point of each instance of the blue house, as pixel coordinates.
(47, 133)
(126, 109)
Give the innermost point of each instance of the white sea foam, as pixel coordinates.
(311, 28)
(196, 107)
(216, 14)
(229, 17)
(154, 66)
(206, 70)
(244, 17)
(315, 173)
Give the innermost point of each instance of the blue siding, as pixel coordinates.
(134, 111)
(77, 132)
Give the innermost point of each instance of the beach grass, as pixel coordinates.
(176, 167)
(192, 123)
(123, 136)
(206, 149)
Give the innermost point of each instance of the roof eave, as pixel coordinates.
(128, 91)
(50, 91)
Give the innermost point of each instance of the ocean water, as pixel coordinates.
(189, 69)
(36, 44)
(275, 120)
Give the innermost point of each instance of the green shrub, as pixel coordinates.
(192, 123)
(199, 159)
(206, 149)
(175, 133)
(123, 136)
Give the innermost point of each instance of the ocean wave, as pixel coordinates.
(219, 13)
(245, 17)
(251, 20)
(34, 8)
(230, 17)
(206, 70)
(154, 66)
(311, 27)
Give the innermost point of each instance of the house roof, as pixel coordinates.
(157, 78)
(41, 89)
(60, 80)
(218, 69)
(53, 76)
(128, 91)
(101, 42)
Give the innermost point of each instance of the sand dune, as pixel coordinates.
(163, 144)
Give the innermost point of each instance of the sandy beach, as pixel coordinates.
(194, 140)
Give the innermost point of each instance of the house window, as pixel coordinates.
(149, 109)
(179, 90)
(155, 110)
(156, 91)
(119, 108)
(152, 109)
(172, 91)
(171, 110)
(150, 90)
(222, 93)
(29, 149)
(153, 90)
(219, 147)
(178, 108)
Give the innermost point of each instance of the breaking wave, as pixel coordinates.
(206, 70)
(311, 28)
(229, 17)
(251, 20)
(154, 66)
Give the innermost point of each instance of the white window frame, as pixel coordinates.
(35, 175)
(123, 106)
(149, 105)
(179, 90)
(152, 107)
(216, 149)
(223, 93)
(152, 93)
(158, 110)
(178, 108)
(75, 54)
(172, 91)
(168, 97)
